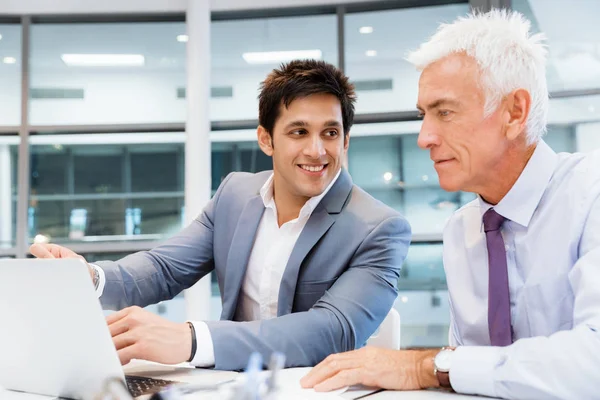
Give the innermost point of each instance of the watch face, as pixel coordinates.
(443, 360)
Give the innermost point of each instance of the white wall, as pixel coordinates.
(588, 137)
(134, 96)
(10, 94)
(119, 97)
(17, 7)
(10, 105)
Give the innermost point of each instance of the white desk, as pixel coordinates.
(385, 395)
(421, 395)
(188, 374)
(8, 395)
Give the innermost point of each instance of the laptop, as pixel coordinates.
(54, 339)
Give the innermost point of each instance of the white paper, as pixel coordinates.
(289, 388)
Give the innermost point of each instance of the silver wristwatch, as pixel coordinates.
(96, 278)
(441, 366)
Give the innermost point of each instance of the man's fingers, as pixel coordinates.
(118, 327)
(128, 353)
(347, 377)
(330, 367)
(126, 339)
(49, 250)
(320, 372)
(112, 318)
(40, 251)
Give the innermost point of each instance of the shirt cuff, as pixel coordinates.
(101, 280)
(472, 369)
(205, 352)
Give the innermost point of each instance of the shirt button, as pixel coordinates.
(506, 247)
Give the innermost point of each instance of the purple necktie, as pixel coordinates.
(498, 294)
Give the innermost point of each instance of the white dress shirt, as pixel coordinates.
(552, 240)
(273, 245)
(271, 251)
(272, 248)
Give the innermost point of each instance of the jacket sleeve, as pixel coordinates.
(343, 319)
(148, 277)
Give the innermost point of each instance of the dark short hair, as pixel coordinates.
(301, 78)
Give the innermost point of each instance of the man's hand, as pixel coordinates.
(47, 250)
(138, 333)
(374, 367)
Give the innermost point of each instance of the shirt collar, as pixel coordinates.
(522, 199)
(266, 192)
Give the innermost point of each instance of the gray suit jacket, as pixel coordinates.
(338, 285)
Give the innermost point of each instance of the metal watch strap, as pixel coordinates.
(96, 278)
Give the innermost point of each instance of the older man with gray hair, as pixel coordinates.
(523, 259)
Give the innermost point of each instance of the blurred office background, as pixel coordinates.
(93, 148)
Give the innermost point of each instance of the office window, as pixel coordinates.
(107, 73)
(106, 187)
(156, 217)
(173, 310)
(392, 168)
(385, 160)
(376, 44)
(573, 52)
(561, 138)
(98, 169)
(243, 52)
(93, 257)
(244, 156)
(423, 297)
(10, 74)
(228, 157)
(9, 149)
(580, 115)
(157, 168)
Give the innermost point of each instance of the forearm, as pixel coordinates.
(132, 281)
(342, 320)
(159, 274)
(565, 365)
(305, 338)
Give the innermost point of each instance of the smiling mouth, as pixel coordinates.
(313, 168)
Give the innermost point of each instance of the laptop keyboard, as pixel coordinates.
(139, 385)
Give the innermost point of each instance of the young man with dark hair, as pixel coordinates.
(307, 263)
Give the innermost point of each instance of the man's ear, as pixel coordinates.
(265, 141)
(346, 140)
(518, 107)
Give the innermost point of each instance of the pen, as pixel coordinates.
(276, 363)
(252, 384)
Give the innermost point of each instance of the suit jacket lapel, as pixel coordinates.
(239, 254)
(318, 224)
